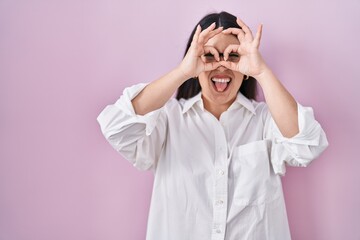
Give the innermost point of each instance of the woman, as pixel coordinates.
(216, 153)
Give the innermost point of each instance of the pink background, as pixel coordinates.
(61, 62)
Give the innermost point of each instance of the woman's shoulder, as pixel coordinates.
(261, 109)
(173, 105)
(186, 104)
(259, 105)
(255, 106)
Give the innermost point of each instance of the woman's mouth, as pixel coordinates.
(221, 83)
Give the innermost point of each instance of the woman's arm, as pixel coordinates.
(282, 105)
(158, 92)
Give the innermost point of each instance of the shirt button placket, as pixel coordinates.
(221, 187)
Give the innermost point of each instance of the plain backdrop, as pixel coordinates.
(62, 62)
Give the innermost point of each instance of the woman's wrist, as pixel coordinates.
(183, 76)
(264, 75)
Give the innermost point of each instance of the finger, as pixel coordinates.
(202, 35)
(210, 55)
(204, 59)
(211, 66)
(196, 34)
(229, 49)
(212, 34)
(258, 36)
(213, 51)
(245, 28)
(235, 31)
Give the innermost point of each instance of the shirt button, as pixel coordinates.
(219, 202)
(221, 172)
(218, 230)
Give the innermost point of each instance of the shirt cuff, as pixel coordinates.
(124, 103)
(300, 149)
(309, 129)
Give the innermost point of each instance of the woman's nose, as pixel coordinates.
(221, 68)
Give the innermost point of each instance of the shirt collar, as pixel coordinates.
(240, 100)
(191, 101)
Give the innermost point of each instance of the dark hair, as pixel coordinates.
(191, 87)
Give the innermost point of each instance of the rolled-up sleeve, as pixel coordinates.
(138, 138)
(299, 150)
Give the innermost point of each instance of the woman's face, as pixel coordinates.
(220, 86)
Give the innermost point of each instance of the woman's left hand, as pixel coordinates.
(251, 62)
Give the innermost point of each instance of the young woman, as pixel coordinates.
(216, 153)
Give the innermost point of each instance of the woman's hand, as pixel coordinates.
(251, 63)
(194, 61)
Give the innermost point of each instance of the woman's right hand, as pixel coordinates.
(194, 61)
(158, 92)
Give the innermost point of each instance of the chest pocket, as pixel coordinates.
(252, 178)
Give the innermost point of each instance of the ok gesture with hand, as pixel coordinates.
(251, 62)
(194, 63)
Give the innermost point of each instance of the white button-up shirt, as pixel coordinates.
(214, 179)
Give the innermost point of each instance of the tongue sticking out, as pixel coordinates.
(220, 86)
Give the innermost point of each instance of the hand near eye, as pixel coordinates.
(193, 63)
(251, 63)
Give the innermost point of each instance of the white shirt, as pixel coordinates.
(214, 179)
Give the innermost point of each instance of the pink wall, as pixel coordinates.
(61, 62)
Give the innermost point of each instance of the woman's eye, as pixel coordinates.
(234, 57)
(209, 57)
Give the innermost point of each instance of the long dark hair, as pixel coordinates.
(191, 87)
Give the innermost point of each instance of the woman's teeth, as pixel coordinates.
(220, 83)
(221, 80)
